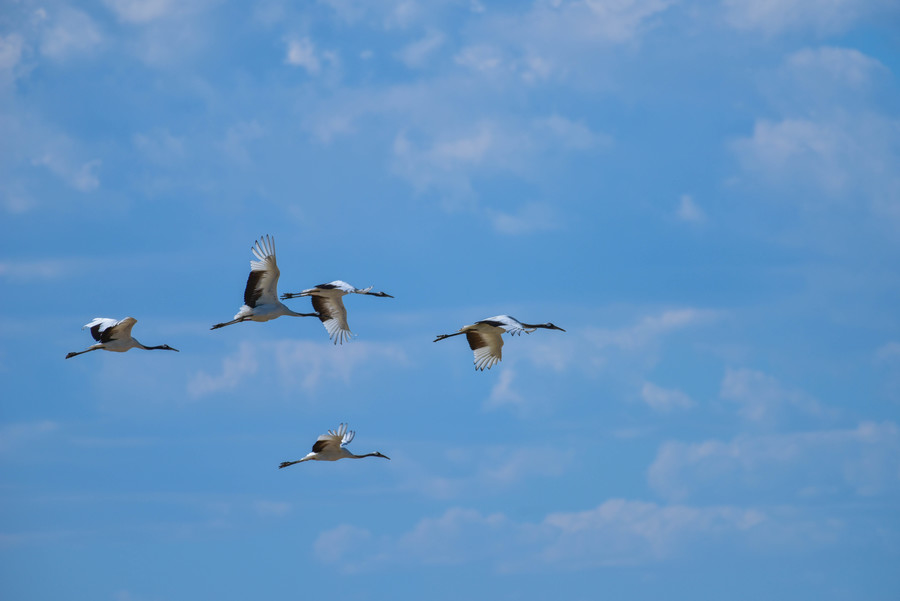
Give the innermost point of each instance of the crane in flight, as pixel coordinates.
(484, 337)
(112, 335)
(261, 294)
(327, 301)
(331, 447)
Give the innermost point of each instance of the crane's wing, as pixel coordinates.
(512, 325)
(337, 285)
(104, 329)
(262, 284)
(334, 317)
(486, 346)
(334, 439)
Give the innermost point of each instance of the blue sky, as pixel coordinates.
(705, 195)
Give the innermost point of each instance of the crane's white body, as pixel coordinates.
(328, 303)
(331, 447)
(261, 294)
(114, 335)
(485, 337)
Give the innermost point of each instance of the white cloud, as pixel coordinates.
(71, 32)
(476, 470)
(301, 52)
(144, 11)
(570, 134)
(782, 468)
(161, 146)
(293, 363)
(331, 546)
(832, 146)
(833, 67)
(616, 532)
(502, 392)
(234, 370)
(480, 57)
(10, 51)
(663, 399)
(649, 329)
(844, 156)
(689, 211)
(761, 398)
(417, 54)
(528, 218)
(557, 38)
(777, 16)
(13, 436)
(82, 176)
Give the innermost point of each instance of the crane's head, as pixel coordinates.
(379, 294)
(166, 347)
(377, 454)
(550, 326)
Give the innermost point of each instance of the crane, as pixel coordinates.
(261, 295)
(326, 300)
(484, 337)
(331, 447)
(112, 335)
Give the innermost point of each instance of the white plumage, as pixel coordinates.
(115, 336)
(261, 294)
(485, 338)
(327, 301)
(331, 447)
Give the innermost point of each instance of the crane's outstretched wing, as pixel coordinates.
(104, 329)
(334, 439)
(262, 284)
(486, 347)
(333, 314)
(512, 325)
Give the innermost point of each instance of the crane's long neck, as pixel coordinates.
(533, 326)
(375, 454)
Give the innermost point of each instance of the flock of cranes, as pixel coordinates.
(261, 303)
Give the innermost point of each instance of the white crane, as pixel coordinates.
(261, 295)
(484, 337)
(331, 447)
(112, 335)
(326, 299)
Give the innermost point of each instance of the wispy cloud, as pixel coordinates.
(69, 33)
(15, 435)
(664, 399)
(832, 142)
(294, 364)
(528, 218)
(782, 468)
(616, 532)
(778, 16)
(145, 11)
(689, 211)
(417, 54)
(761, 398)
(476, 470)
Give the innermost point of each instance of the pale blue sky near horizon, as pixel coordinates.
(705, 195)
